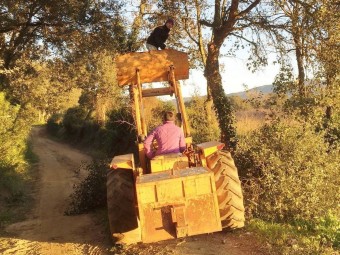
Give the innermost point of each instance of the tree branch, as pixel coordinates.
(35, 24)
(206, 23)
(243, 38)
(186, 27)
(249, 8)
(232, 12)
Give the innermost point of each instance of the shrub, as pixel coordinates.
(202, 129)
(15, 156)
(74, 120)
(290, 173)
(121, 132)
(116, 138)
(90, 194)
(87, 133)
(54, 123)
(15, 124)
(13, 133)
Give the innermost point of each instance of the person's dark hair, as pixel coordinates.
(170, 21)
(168, 116)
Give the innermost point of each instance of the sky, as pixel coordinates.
(234, 76)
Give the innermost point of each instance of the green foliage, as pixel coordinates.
(226, 117)
(11, 182)
(90, 194)
(8, 115)
(95, 75)
(321, 237)
(74, 120)
(153, 111)
(157, 113)
(328, 230)
(88, 25)
(284, 81)
(15, 156)
(54, 123)
(290, 172)
(48, 61)
(121, 132)
(116, 138)
(15, 125)
(201, 129)
(240, 104)
(43, 85)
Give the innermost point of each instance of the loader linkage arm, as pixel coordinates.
(136, 68)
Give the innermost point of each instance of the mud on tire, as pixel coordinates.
(228, 189)
(121, 203)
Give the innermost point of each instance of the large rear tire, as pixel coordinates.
(228, 189)
(121, 206)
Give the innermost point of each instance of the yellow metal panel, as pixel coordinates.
(203, 161)
(204, 185)
(209, 148)
(173, 161)
(181, 164)
(123, 161)
(186, 204)
(156, 165)
(203, 216)
(179, 218)
(188, 140)
(141, 153)
(169, 191)
(153, 66)
(147, 194)
(157, 224)
(190, 187)
(157, 92)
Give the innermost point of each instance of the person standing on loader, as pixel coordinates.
(159, 35)
(169, 137)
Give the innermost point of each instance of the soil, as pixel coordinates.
(48, 231)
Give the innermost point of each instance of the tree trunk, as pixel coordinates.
(221, 101)
(208, 106)
(298, 42)
(301, 69)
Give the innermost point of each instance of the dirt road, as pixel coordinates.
(48, 231)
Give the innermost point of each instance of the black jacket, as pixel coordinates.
(159, 36)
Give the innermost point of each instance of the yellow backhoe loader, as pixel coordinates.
(172, 195)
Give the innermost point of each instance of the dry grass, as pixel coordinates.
(249, 120)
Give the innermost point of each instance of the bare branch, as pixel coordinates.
(249, 8)
(186, 27)
(245, 39)
(206, 23)
(121, 122)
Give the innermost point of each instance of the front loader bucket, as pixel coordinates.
(177, 203)
(153, 66)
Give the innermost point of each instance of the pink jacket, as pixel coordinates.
(170, 139)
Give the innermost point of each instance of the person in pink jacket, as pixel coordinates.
(169, 137)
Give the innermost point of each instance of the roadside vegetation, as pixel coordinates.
(288, 160)
(16, 159)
